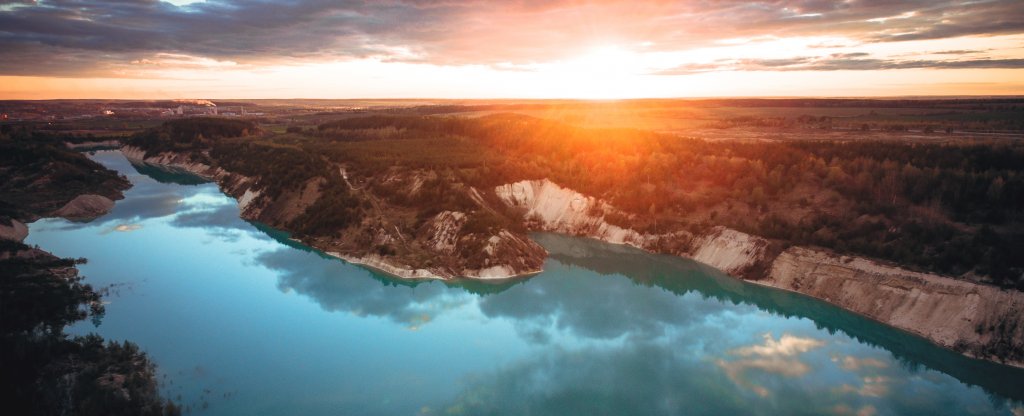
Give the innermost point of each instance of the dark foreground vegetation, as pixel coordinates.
(42, 370)
(40, 177)
(45, 372)
(951, 208)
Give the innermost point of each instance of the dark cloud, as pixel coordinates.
(841, 62)
(89, 37)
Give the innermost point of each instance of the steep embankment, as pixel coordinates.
(441, 248)
(43, 180)
(45, 371)
(85, 207)
(553, 208)
(977, 320)
(14, 231)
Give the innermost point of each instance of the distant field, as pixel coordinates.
(933, 120)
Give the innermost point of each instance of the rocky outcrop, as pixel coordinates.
(549, 207)
(173, 162)
(440, 249)
(512, 256)
(238, 186)
(546, 206)
(84, 207)
(978, 320)
(730, 251)
(15, 231)
(506, 254)
(383, 264)
(442, 231)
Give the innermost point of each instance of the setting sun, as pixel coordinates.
(493, 207)
(560, 50)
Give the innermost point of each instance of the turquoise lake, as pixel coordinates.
(242, 321)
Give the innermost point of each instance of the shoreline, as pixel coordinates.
(1013, 364)
(731, 252)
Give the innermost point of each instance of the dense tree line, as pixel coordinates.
(950, 208)
(280, 166)
(29, 169)
(189, 134)
(42, 370)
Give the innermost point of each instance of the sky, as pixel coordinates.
(508, 49)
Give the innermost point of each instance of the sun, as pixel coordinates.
(603, 72)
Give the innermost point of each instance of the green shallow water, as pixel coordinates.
(243, 321)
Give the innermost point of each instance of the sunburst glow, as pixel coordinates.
(572, 50)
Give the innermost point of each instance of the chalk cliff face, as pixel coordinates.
(977, 320)
(730, 251)
(974, 319)
(550, 207)
(238, 186)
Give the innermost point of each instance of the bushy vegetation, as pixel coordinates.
(42, 370)
(336, 209)
(42, 177)
(45, 372)
(949, 208)
(279, 166)
(190, 134)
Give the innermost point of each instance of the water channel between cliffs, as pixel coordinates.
(241, 320)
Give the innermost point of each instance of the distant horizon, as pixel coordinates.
(613, 49)
(553, 99)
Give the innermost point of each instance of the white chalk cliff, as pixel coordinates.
(566, 211)
(974, 319)
(729, 250)
(238, 186)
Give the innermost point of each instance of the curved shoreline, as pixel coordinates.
(744, 257)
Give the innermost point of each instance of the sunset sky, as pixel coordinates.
(514, 49)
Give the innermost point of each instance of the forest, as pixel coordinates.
(45, 371)
(948, 208)
(31, 168)
(188, 134)
(951, 208)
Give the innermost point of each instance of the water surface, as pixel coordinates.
(242, 321)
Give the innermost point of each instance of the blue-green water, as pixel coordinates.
(242, 321)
